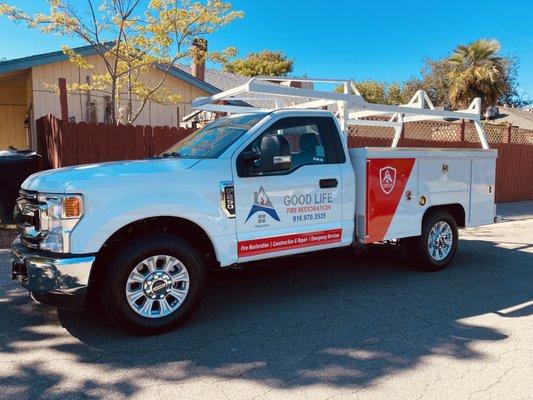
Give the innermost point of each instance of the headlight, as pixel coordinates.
(60, 216)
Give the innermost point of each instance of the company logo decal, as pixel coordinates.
(262, 203)
(387, 179)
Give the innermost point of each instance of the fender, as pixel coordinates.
(111, 204)
(456, 209)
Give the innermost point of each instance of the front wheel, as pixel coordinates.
(153, 284)
(435, 249)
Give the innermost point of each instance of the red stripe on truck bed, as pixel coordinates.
(385, 183)
(253, 247)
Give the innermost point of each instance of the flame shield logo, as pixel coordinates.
(387, 179)
(262, 203)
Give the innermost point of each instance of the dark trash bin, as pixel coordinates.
(15, 167)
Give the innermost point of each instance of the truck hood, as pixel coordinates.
(57, 180)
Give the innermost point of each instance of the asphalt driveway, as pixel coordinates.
(330, 325)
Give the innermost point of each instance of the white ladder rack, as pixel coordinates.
(351, 107)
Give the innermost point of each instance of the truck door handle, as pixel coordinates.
(328, 183)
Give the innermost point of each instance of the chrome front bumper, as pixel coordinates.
(56, 280)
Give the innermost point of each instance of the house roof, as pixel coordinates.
(58, 56)
(220, 79)
(225, 81)
(517, 117)
(215, 80)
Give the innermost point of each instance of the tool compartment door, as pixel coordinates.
(388, 210)
(482, 208)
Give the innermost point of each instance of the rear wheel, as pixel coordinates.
(153, 284)
(435, 249)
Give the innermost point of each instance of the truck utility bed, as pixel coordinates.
(398, 182)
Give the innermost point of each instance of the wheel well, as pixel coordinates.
(456, 210)
(185, 229)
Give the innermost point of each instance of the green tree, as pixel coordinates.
(266, 62)
(477, 71)
(435, 81)
(131, 38)
(380, 92)
(455, 80)
(511, 96)
(372, 91)
(410, 87)
(394, 94)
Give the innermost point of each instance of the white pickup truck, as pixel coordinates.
(252, 185)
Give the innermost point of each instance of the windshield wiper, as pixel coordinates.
(171, 154)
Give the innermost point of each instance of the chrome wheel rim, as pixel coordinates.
(440, 241)
(157, 286)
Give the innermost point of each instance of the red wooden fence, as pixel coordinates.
(63, 143)
(514, 166)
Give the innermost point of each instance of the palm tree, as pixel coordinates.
(477, 71)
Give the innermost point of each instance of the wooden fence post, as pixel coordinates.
(62, 83)
(509, 130)
(42, 145)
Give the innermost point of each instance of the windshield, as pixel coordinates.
(213, 139)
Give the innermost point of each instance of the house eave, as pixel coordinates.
(20, 64)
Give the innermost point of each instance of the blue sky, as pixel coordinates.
(383, 40)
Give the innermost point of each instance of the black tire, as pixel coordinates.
(122, 264)
(418, 249)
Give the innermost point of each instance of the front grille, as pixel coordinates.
(27, 217)
(24, 219)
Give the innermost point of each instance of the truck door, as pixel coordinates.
(296, 208)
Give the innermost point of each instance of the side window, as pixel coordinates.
(313, 140)
(306, 143)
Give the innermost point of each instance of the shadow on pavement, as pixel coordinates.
(336, 318)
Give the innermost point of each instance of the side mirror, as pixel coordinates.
(252, 160)
(275, 153)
